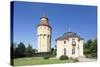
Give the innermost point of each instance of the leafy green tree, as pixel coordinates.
(53, 52)
(20, 50)
(93, 48)
(89, 42)
(29, 51)
(12, 54)
(90, 48)
(34, 51)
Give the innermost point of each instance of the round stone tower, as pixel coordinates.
(44, 35)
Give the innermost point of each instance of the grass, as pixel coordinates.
(38, 61)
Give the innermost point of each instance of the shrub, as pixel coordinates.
(63, 57)
(46, 57)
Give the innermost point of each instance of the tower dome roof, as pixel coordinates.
(44, 18)
(44, 21)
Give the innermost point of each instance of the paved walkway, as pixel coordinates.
(86, 60)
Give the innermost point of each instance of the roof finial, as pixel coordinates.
(69, 28)
(44, 15)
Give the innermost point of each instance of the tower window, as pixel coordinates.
(43, 36)
(48, 36)
(64, 42)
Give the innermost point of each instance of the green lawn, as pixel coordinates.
(37, 61)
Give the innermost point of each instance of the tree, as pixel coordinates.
(89, 42)
(87, 46)
(90, 48)
(53, 52)
(12, 54)
(29, 51)
(93, 48)
(20, 50)
(34, 51)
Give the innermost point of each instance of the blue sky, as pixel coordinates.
(62, 17)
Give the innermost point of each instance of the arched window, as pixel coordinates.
(44, 36)
(48, 36)
(64, 51)
(73, 50)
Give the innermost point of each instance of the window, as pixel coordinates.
(73, 50)
(64, 51)
(44, 36)
(73, 42)
(73, 39)
(48, 36)
(64, 42)
(78, 46)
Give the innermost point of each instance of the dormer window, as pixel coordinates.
(64, 42)
(73, 42)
